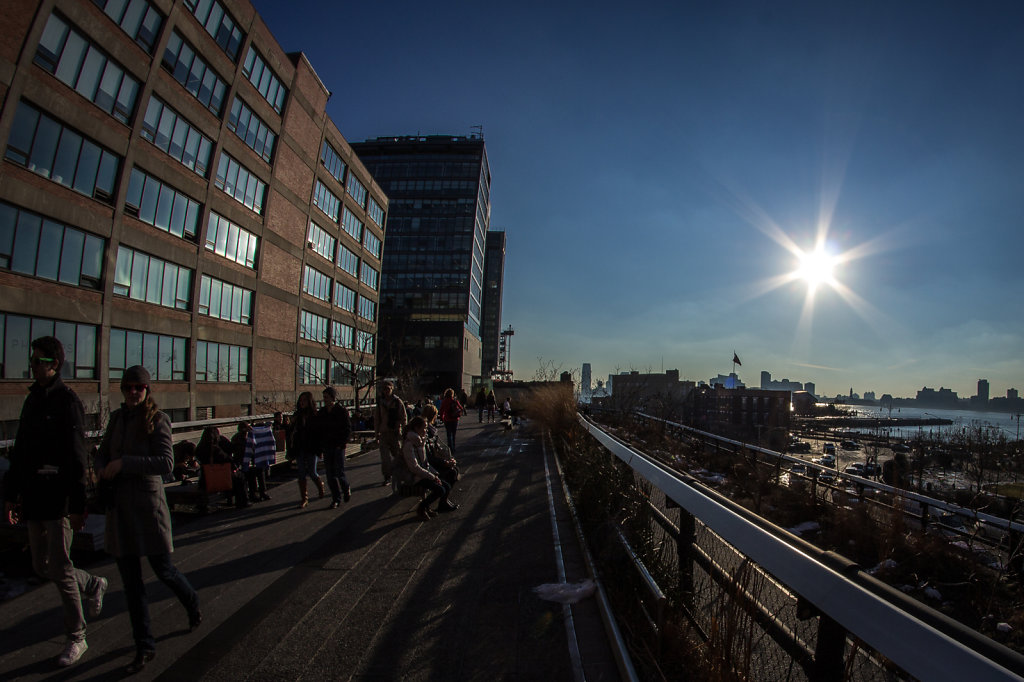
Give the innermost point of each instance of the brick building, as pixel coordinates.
(172, 193)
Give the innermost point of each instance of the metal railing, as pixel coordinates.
(787, 610)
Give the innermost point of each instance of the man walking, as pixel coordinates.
(46, 486)
(335, 429)
(389, 422)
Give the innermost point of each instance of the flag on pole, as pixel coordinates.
(736, 359)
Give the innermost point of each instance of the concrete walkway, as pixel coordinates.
(367, 592)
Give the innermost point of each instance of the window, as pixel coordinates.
(376, 213)
(341, 335)
(239, 182)
(202, 82)
(145, 278)
(17, 332)
(312, 370)
(348, 261)
(226, 239)
(219, 24)
(224, 301)
(344, 297)
(320, 241)
(365, 342)
(351, 224)
(332, 161)
(46, 147)
(326, 200)
(34, 245)
(316, 284)
(342, 373)
(312, 327)
(221, 362)
(138, 18)
(78, 63)
(367, 309)
(371, 243)
(356, 190)
(251, 129)
(162, 206)
(369, 276)
(264, 80)
(162, 355)
(169, 131)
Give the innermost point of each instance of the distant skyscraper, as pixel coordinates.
(432, 280)
(766, 379)
(585, 386)
(983, 390)
(809, 387)
(490, 325)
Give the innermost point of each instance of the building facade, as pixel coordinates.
(173, 194)
(433, 287)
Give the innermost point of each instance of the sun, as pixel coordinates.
(816, 267)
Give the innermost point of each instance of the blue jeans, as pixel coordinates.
(334, 460)
(450, 428)
(434, 489)
(307, 466)
(130, 568)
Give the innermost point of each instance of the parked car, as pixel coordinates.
(855, 469)
(829, 449)
(871, 469)
(798, 469)
(827, 460)
(827, 476)
(901, 447)
(800, 446)
(850, 445)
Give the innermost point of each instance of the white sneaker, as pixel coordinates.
(94, 604)
(72, 652)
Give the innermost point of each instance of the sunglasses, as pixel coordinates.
(41, 361)
(134, 388)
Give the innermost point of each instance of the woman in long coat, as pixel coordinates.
(133, 456)
(305, 444)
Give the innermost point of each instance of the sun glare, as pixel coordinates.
(816, 267)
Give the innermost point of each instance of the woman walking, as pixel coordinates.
(305, 443)
(132, 458)
(451, 410)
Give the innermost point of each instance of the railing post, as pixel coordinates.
(684, 550)
(829, 651)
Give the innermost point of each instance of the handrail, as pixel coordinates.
(919, 648)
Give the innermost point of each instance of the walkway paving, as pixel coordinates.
(367, 592)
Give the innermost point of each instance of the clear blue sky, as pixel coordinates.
(646, 157)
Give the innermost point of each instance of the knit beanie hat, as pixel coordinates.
(135, 375)
(329, 391)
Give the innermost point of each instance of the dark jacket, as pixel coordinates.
(138, 523)
(48, 464)
(303, 439)
(335, 426)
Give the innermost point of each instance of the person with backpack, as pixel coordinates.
(451, 410)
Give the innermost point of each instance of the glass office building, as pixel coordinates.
(432, 284)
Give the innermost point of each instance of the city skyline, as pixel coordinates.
(659, 171)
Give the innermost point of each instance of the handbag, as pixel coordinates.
(217, 477)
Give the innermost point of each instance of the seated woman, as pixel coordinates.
(185, 464)
(439, 457)
(414, 459)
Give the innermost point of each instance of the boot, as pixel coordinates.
(304, 496)
(320, 487)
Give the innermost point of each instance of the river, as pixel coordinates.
(1003, 421)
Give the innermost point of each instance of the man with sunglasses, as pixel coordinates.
(46, 486)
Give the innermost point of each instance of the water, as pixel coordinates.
(1003, 421)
